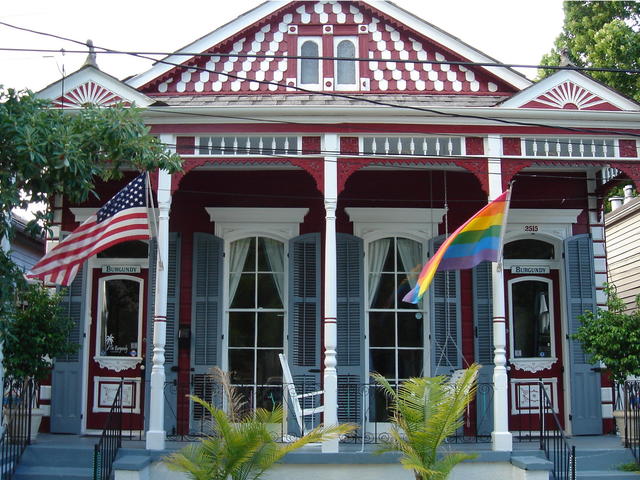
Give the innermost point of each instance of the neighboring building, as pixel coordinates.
(623, 249)
(25, 249)
(391, 154)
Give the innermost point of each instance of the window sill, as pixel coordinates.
(118, 364)
(533, 364)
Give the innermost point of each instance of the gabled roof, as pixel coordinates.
(384, 31)
(91, 85)
(570, 90)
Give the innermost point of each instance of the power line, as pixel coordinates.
(323, 57)
(347, 96)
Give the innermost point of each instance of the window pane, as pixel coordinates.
(241, 366)
(383, 362)
(270, 255)
(409, 255)
(382, 329)
(379, 405)
(530, 249)
(269, 294)
(120, 318)
(309, 73)
(531, 319)
(346, 70)
(241, 329)
(410, 333)
(409, 363)
(269, 397)
(245, 292)
(270, 330)
(268, 368)
(250, 262)
(385, 291)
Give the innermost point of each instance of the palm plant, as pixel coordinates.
(241, 445)
(424, 412)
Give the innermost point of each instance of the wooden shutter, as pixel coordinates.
(350, 326)
(206, 319)
(73, 305)
(483, 342)
(445, 314)
(303, 333)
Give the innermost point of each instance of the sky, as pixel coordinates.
(511, 31)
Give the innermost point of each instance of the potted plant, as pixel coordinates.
(612, 337)
(32, 334)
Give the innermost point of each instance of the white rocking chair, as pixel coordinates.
(296, 401)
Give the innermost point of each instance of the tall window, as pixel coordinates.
(345, 71)
(396, 329)
(531, 318)
(120, 317)
(256, 318)
(310, 67)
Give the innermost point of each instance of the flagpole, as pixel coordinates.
(154, 218)
(504, 227)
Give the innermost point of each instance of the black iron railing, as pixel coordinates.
(552, 439)
(631, 405)
(18, 400)
(105, 451)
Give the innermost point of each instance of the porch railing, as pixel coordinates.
(553, 441)
(18, 399)
(632, 417)
(105, 451)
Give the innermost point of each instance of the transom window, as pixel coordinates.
(529, 249)
(396, 329)
(120, 316)
(256, 318)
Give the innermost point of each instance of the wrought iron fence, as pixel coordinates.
(631, 406)
(18, 401)
(105, 451)
(552, 439)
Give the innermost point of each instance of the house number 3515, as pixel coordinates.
(531, 228)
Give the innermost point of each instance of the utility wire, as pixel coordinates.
(323, 57)
(346, 96)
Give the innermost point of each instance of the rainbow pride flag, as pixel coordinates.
(477, 239)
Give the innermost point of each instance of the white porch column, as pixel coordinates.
(501, 436)
(155, 438)
(330, 289)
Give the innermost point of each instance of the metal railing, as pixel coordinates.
(553, 441)
(631, 405)
(18, 400)
(105, 451)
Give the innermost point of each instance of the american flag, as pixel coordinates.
(121, 219)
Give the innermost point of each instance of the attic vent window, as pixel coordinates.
(421, 146)
(569, 147)
(247, 145)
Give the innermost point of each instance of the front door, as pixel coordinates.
(117, 346)
(535, 346)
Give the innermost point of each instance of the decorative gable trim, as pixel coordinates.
(91, 85)
(570, 90)
(387, 32)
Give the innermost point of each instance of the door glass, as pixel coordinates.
(531, 319)
(119, 318)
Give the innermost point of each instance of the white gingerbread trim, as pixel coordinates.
(118, 364)
(533, 365)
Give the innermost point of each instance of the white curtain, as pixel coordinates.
(378, 251)
(411, 256)
(237, 256)
(275, 257)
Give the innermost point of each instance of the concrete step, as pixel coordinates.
(606, 474)
(47, 455)
(34, 472)
(602, 460)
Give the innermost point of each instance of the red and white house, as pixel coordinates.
(313, 191)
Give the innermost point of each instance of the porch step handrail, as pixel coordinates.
(105, 451)
(631, 406)
(18, 399)
(553, 442)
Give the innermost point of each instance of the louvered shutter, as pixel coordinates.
(483, 341)
(350, 326)
(445, 314)
(586, 413)
(303, 333)
(206, 319)
(171, 345)
(67, 374)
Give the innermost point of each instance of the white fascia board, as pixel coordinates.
(562, 76)
(90, 73)
(450, 42)
(220, 34)
(384, 115)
